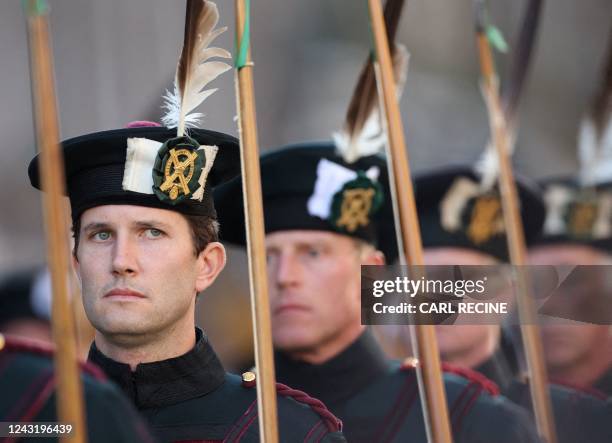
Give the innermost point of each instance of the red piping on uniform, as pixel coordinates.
(333, 423)
(236, 425)
(311, 432)
(409, 387)
(580, 388)
(37, 385)
(18, 344)
(247, 426)
(38, 403)
(473, 376)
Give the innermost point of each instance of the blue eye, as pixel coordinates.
(313, 253)
(153, 233)
(101, 236)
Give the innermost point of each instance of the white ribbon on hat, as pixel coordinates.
(455, 201)
(331, 177)
(556, 198)
(139, 163)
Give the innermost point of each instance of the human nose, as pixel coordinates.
(287, 270)
(125, 256)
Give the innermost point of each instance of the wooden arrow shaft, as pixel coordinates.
(69, 389)
(433, 395)
(516, 245)
(254, 220)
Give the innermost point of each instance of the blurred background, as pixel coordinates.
(114, 59)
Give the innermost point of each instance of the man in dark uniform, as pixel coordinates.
(146, 243)
(462, 224)
(576, 232)
(142, 260)
(324, 218)
(28, 387)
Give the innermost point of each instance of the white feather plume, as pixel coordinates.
(487, 165)
(357, 140)
(595, 153)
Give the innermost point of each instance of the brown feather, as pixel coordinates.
(365, 99)
(521, 59)
(602, 103)
(195, 69)
(193, 14)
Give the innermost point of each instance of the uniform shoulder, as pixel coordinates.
(477, 411)
(29, 384)
(471, 377)
(301, 417)
(40, 355)
(455, 377)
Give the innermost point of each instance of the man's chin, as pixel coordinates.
(294, 341)
(125, 326)
(559, 360)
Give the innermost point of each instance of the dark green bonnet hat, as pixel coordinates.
(454, 210)
(146, 164)
(104, 168)
(309, 186)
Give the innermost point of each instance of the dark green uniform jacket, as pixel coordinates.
(579, 416)
(192, 399)
(601, 386)
(28, 387)
(604, 383)
(378, 399)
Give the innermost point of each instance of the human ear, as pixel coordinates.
(211, 262)
(373, 257)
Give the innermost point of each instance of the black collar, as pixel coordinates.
(604, 383)
(166, 382)
(334, 381)
(498, 369)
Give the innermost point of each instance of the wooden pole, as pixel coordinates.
(516, 244)
(433, 395)
(254, 221)
(69, 388)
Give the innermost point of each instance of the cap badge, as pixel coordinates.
(353, 205)
(175, 179)
(486, 219)
(344, 197)
(583, 214)
(178, 165)
(355, 208)
(581, 218)
(465, 208)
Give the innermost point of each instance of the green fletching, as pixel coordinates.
(373, 54)
(245, 42)
(35, 7)
(496, 38)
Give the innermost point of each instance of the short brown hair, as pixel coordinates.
(204, 230)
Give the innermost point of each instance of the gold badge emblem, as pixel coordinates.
(356, 205)
(178, 172)
(582, 218)
(486, 220)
